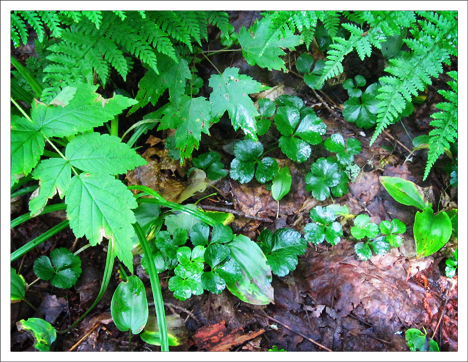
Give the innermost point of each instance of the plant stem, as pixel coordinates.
(21, 110)
(114, 130)
(82, 249)
(156, 288)
(47, 209)
(214, 66)
(60, 153)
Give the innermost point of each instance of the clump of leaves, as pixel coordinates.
(210, 162)
(326, 176)
(281, 249)
(248, 162)
(312, 69)
(42, 332)
(299, 127)
(63, 268)
(267, 109)
(420, 341)
(361, 108)
(345, 152)
(323, 226)
(380, 244)
(275, 348)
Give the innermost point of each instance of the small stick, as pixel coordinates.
(170, 305)
(443, 312)
(370, 335)
(84, 337)
(235, 212)
(299, 333)
(333, 113)
(401, 144)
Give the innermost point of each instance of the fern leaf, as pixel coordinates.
(445, 125)
(114, 56)
(170, 23)
(51, 19)
(219, 19)
(120, 14)
(18, 30)
(34, 20)
(331, 21)
(95, 17)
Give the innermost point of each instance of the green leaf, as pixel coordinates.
(431, 232)
(86, 110)
(295, 148)
(287, 119)
(419, 341)
(231, 93)
(263, 125)
(291, 101)
(190, 117)
(324, 173)
(54, 175)
(311, 129)
(363, 110)
(100, 206)
(322, 215)
(242, 171)
(364, 228)
(216, 254)
(390, 229)
(129, 305)
(187, 280)
(42, 332)
(210, 162)
(18, 286)
(176, 331)
(403, 191)
(27, 146)
(229, 270)
(254, 286)
(221, 234)
(200, 234)
(304, 62)
(248, 150)
(102, 154)
(335, 143)
(267, 107)
(380, 245)
(212, 282)
(314, 233)
(281, 184)
(262, 44)
(182, 220)
(333, 233)
(62, 269)
(281, 249)
(363, 251)
(267, 169)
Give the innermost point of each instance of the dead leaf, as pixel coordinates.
(51, 307)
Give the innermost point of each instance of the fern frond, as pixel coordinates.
(52, 21)
(432, 45)
(330, 20)
(18, 29)
(35, 21)
(445, 124)
(219, 19)
(95, 17)
(170, 23)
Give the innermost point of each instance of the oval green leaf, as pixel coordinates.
(18, 287)
(281, 184)
(42, 332)
(254, 286)
(129, 306)
(431, 232)
(267, 169)
(403, 191)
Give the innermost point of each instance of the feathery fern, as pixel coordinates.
(445, 123)
(431, 46)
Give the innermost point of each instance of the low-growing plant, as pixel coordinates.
(451, 265)
(420, 341)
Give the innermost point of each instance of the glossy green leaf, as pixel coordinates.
(229, 270)
(212, 282)
(323, 175)
(390, 229)
(18, 287)
(221, 234)
(211, 163)
(262, 44)
(187, 279)
(335, 143)
(281, 184)
(176, 331)
(364, 228)
(242, 171)
(291, 101)
(363, 251)
(62, 269)
(267, 107)
(216, 254)
(287, 119)
(267, 169)
(333, 233)
(281, 249)
(314, 233)
(263, 125)
(129, 305)
(200, 234)
(403, 191)
(42, 332)
(182, 220)
(311, 128)
(231, 93)
(363, 110)
(322, 215)
(295, 148)
(451, 265)
(248, 150)
(304, 62)
(380, 245)
(254, 287)
(100, 206)
(431, 232)
(419, 341)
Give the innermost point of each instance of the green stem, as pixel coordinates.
(36, 87)
(24, 191)
(21, 182)
(214, 66)
(82, 249)
(47, 209)
(264, 153)
(156, 288)
(21, 110)
(60, 153)
(35, 242)
(158, 199)
(105, 282)
(114, 130)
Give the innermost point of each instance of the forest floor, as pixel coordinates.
(332, 301)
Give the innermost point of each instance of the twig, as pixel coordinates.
(443, 311)
(85, 336)
(235, 212)
(333, 113)
(299, 333)
(401, 144)
(170, 305)
(370, 335)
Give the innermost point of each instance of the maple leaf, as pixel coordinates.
(231, 93)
